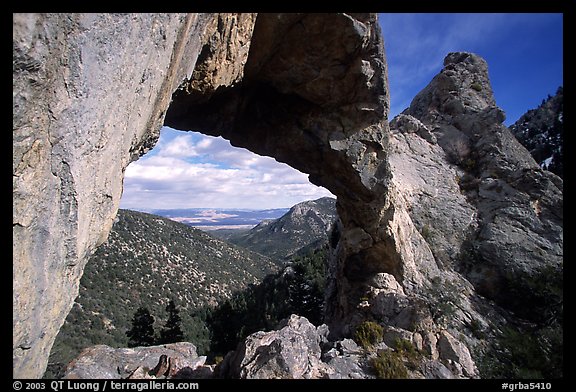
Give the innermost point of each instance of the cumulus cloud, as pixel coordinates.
(189, 170)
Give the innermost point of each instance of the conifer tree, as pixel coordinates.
(142, 332)
(172, 331)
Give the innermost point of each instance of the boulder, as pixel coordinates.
(450, 349)
(345, 367)
(102, 361)
(349, 347)
(292, 351)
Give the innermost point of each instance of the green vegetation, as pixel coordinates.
(468, 182)
(469, 164)
(407, 350)
(388, 364)
(476, 86)
(172, 330)
(368, 334)
(444, 300)
(525, 353)
(395, 363)
(299, 289)
(543, 290)
(405, 347)
(142, 332)
(426, 232)
(532, 349)
(476, 328)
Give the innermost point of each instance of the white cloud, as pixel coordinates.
(192, 170)
(181, 146)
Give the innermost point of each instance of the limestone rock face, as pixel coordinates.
(304, 99)
(319, 105)
(489, 211)
(90, 93)
(483, 217)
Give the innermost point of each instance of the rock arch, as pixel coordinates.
(91, 92)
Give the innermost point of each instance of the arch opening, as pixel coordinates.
(187, 170)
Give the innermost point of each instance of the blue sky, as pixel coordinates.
(190, 170)
(523, 51)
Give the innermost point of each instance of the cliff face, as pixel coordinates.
(439, 206)
(484, 221)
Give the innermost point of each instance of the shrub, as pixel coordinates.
(426, 233)
(475, 327)
(468, 182)
(524, 354)
(476, 86)
(469, 164)
(405, 347)
(407, 350)
(368, 334)
(388, 364)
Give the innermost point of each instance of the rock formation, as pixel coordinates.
(488, 210)
(91, 92)
(490, 218)
(468, 217)
(295, 350)
(445, 204)
(175, 360)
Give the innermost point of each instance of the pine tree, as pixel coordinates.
(172, 331)
(142, 332)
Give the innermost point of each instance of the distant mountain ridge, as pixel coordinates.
(306, 225)
(217, 217)
(541, 131)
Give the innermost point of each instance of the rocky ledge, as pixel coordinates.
(175, 360)
(296, 350)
